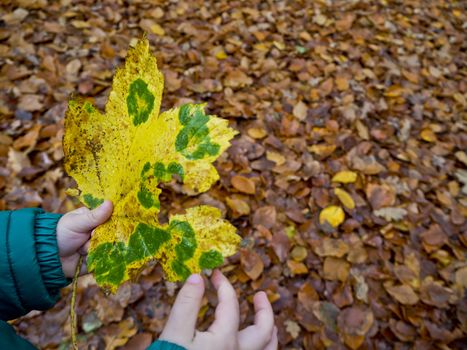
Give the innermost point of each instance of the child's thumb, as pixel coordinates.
(87, 220)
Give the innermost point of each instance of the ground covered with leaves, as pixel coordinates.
(347, 182)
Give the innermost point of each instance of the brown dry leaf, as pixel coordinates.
(265, 216)
(300, 110)
(29, 140)
(335, 269)
(237, 79)
(280, 244)
(243, 184)
(355, 322)
(140, 341)
(433, 238)
(252, 263)
(404, 294)
(434, 293)
(240, 207)
(307, 296)
(380, 196)
(342, 83)
(461, 277)
(257, 133)
(31, 103)
(368, 165)
(118, 335)
(296, 267)
(331, 247)
(275, 157)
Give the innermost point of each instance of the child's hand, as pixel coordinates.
(223, 333)
(73, 234)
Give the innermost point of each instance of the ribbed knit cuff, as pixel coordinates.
(45, 225)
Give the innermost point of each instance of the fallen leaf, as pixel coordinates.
(331, 247)
(335, 269)
(391, 213)
(342, 83)
(296, 267)
(243, 184)
(380, 196)
(240, 207)
(345, 177)
(307, 296)
(265, 216)
(333, 215)
(237, 79)
(252, 263)
(345, 198)
(300, 110)
(404, 294)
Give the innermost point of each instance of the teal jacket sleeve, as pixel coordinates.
(165, 345)
(31, 273)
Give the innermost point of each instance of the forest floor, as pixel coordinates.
(374, 88)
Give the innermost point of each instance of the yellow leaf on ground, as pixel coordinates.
(345, 198)
(333, 214)
(428, 135)
(345, 176)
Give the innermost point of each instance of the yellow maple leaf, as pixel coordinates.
(125, 154)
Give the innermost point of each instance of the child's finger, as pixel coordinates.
(84, 248)
(273, 344)
(86, 220)
(227, 310)
(180, 327)
(261, 333)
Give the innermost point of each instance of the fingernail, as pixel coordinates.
(194, 279)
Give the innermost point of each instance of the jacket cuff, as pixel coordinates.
(165, 345)
(45, 236)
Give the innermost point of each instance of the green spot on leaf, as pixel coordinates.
(210, 259)
(88, 107)
(140, 101)
(145, 169)
(164, 174)
(181, 269)
(107, 261)
(92, 202)
(146, 198)
(185, 249)
(193, 140)
(145, 242)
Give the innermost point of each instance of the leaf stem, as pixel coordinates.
(74, 321)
